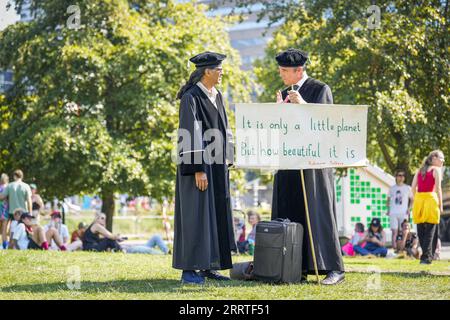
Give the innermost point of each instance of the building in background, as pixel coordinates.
(6, 81)
(6, 77)
(249, 37)
(25, 15)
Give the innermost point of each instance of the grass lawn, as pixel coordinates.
(44, 275)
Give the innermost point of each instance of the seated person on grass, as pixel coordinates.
(239, 234)
(76, 242)
(407, 241)
(358, 239)
(63, 231)
(253, 219)
(149, 247)
(375, 239)
(98, 238)
(29, 235)
(16, 218)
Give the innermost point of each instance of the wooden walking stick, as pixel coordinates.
(308, 222)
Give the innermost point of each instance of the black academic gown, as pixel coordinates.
(204, 234)
(288, 201)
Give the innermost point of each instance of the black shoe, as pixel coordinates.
(425, 262)
(191, 277)
(334, 277)
(214, 275)
(304, 278)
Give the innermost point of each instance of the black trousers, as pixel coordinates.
(428, 238)
(103, 245)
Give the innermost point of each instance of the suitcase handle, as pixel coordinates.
(282, 220)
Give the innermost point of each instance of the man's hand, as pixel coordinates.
(201, 181)
(279, 97)
(295, 97)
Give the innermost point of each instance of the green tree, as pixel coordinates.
(401, 69)
(94, 104)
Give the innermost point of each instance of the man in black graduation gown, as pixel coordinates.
(288, 201)
(204, 234)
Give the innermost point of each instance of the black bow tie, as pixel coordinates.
(295, 87)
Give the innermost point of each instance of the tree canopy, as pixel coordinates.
(401, 68)
(93, 108)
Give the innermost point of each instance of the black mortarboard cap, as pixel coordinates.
(208, 59)
(292, 58)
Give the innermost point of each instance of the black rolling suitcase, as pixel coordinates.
(278, 251)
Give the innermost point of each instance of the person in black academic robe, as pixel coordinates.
(288, 200)
(204, 235)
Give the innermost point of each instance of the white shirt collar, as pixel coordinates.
(302, 80)
(211, 94)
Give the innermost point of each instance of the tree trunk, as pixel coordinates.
(403, 163)
(108, 207)
(385, 152)
(403, 158)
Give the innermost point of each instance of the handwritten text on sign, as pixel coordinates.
(300, 136)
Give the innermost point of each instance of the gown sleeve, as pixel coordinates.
(190, 138)
(230, 147)
(325, 95)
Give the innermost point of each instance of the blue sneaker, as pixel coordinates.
(191, 277)
(214, 275)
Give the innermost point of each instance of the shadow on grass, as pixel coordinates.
(123, 286)
(170, 286)
(419, 274)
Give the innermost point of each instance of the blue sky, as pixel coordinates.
(6, 17)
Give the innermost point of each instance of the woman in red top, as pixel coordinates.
(428, 206)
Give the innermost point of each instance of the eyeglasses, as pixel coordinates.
(400, 175)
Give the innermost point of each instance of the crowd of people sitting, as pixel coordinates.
(367, 242)
(372, 242)
(20, 212)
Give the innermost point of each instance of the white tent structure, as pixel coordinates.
(362, 195)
